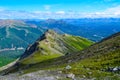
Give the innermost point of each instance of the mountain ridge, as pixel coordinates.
(56, 44)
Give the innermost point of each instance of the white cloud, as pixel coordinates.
(60, 12)
(110, 12)
(113, 10)
(8, 14)
(37, 12)
(2, 9)
(47, 7)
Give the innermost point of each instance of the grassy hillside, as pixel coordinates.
(95, 67)
(93, 62)
(53, 45)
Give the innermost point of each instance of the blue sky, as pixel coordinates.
(59, 8)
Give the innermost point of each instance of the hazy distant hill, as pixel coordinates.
(15, 36)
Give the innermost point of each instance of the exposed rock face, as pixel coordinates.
(114, 69)
(68, 67)
(30, 50)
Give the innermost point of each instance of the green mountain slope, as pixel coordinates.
(99, 61)
(15, 36)
(53, 45)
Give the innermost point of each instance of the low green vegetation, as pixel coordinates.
(38, 57)
(93, 67)
(96, 66)
(77, 43)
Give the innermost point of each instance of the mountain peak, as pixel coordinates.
(51, 32)
(51, 45)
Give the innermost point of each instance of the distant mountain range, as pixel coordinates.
(93, 29)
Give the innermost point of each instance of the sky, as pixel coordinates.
(44, 9)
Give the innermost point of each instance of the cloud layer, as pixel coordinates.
(9, 14)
